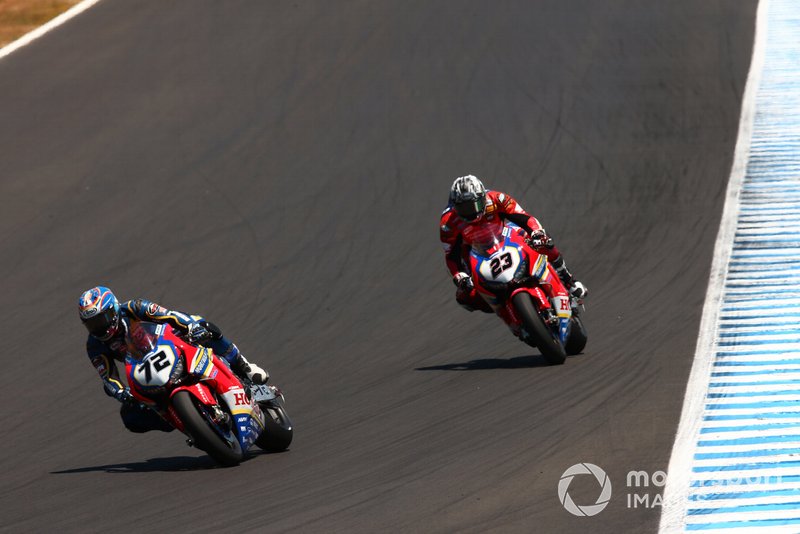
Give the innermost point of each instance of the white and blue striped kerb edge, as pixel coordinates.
(744, 470)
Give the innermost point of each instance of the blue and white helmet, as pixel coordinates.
(468, 197)
(99, 311)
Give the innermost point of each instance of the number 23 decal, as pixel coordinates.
(500, 264)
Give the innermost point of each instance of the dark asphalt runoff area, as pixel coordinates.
(280, 167)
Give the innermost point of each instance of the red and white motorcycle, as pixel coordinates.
(197, 393)
(526, 292)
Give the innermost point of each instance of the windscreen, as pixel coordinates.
(142, 338)
(484, 237)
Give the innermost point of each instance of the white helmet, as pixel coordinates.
(468, 197)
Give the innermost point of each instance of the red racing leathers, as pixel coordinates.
(456, 233)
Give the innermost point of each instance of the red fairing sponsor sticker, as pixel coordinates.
(203, 395)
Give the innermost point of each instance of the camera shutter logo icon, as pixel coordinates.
(566, 480)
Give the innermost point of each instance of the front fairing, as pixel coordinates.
(154, 364)
(247, 415)
(500, 260)
(160, 363)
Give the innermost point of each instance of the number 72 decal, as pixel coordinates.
(151, 370)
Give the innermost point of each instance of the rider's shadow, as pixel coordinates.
(484, 364)
(174, 463)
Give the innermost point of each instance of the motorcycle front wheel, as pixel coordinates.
(223, 451)
(539, 335)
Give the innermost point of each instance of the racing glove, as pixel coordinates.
(124, 396)
(539, 239)
(198, 333)
(463, 281)
(115, 388)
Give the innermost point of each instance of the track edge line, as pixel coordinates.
(52, 24)
(676, 490)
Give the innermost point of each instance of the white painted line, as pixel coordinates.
(750, 388)
(734, 316)
(31, 36)
(789, 326)
(787, 342)
(782, 529)
(736, 322)
(746, 474)
(726, 503)
(713, 436)
(753, 516)
(676, 491)
(712, 462)
(784, 377)
(750, 447)
(752, 411)
(755, 420)
(782, 216)
(740, 488)
(765, 399)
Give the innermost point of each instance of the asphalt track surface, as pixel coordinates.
(280, 167)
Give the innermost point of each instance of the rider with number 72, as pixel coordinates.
(108, 321)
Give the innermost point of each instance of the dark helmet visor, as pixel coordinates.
(470, 209)
(100, 323)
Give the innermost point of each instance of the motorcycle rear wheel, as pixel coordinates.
(577, 336)
(278, 428)
(204, 436)
(539, 335)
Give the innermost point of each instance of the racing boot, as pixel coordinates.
(241, 367)
(575, 288)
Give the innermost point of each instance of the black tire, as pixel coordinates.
(577, 337)
(205, 437)
(278, 429)
(538, 334)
